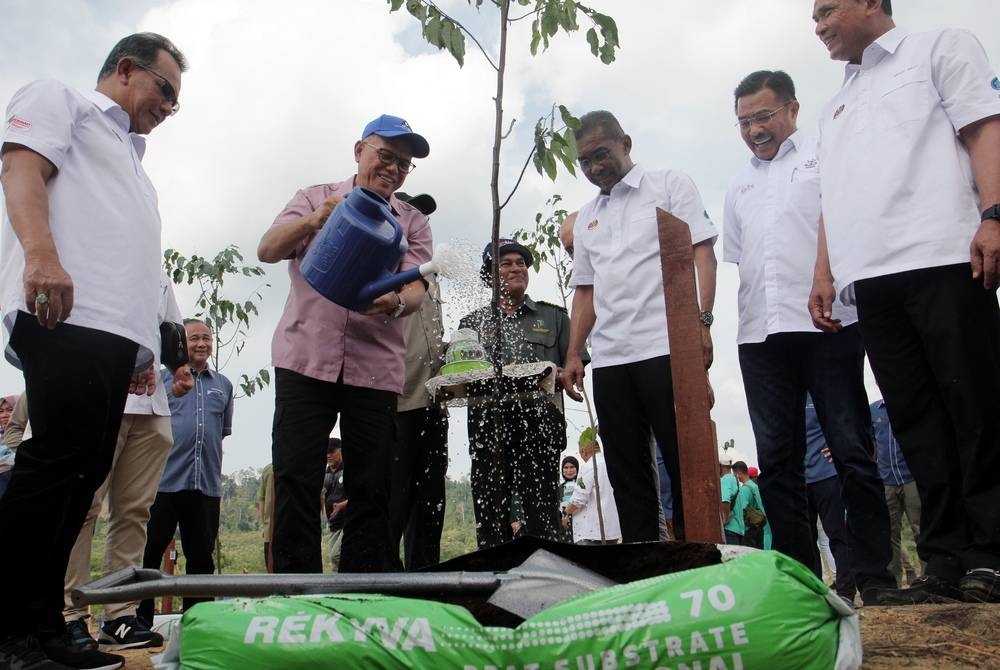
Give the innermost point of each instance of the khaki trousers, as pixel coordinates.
(902, 500)
(144, 442)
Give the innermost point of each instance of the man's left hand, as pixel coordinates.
(985, 254)
(384, 304)
(183, 381)
(706, 345)
(143, 383)
(562, 383)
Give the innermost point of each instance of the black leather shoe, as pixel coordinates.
(926, 589)
(981, 585)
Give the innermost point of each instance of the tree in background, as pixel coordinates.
(552, 144)
(228, 319)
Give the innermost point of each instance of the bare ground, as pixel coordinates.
(925, 637)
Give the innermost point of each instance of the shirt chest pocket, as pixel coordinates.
(215, 402)
(541, 340)
(803, 189)
(905, 97)
(643, 234)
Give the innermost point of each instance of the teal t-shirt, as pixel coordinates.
(731, 487)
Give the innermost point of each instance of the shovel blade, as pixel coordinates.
(543, 580)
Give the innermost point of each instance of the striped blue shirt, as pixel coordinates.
(892, 467)
(199, 420)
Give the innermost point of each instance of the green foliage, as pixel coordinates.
(553, 145)
(228, 319)
(546, 247)
(553, 15)
(729, 444)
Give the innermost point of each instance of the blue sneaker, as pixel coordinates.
(128, 632)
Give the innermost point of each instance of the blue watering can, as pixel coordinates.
(354, 256)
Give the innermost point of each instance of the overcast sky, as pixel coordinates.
(278, 93)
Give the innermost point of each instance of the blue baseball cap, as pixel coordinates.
(393, 126)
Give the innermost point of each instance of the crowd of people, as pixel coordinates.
(878, 235)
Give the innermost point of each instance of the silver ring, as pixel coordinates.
(42, 299)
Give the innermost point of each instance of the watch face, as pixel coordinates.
(707, 318)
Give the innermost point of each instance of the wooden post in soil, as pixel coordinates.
(695, 432)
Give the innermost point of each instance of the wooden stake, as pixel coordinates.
(695, 435)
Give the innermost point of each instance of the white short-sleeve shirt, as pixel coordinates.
(102, 213)
(157, 403)
(770, 228)
(617, 251)
(897, 183)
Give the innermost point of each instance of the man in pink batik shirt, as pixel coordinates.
(330, 361)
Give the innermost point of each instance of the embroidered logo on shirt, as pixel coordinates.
(592, 225)
(838, 112)
(216, 392)
(18, 123)
(811, 163)
(744, 188)
(539, 326)
(995, 83)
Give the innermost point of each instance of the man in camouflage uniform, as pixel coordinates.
(524, 430)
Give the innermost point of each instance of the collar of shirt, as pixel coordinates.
(885, 44)
(632, 178)
(119, 116)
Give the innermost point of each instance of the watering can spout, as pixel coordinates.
(383, 285)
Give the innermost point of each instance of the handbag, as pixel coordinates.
(753, 518)
(173, 345)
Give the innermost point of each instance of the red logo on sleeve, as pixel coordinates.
(18, 123)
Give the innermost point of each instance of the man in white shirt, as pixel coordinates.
(911, 235)
(619, 303)
(144, 440)
(771, 223)
(79, 283)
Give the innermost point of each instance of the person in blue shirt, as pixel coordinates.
(190, 491)
(823, 494)
(900, 490)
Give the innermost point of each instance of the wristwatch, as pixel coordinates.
(991, 212)
(398, 312)
(707, 319)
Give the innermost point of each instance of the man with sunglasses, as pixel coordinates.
(333, 363)
(619, 303)
(79, 284)
(771, 223)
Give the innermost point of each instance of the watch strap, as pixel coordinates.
(992, 212)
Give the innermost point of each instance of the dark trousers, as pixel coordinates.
(933, 339)
(305, 412)
(515, 447)
(76, 380)
(825, 501)
(631, 401)
(777, 373)
(416, 499)
(198, 517)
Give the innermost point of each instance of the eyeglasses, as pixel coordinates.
(166, 88)
(598, 156)
(388, 158)
(760, 117)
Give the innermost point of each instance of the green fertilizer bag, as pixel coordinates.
(762, 610)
